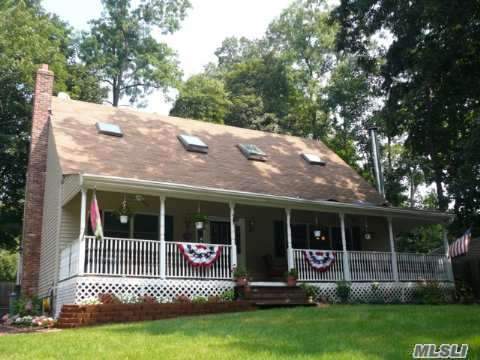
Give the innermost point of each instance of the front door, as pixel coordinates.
(220, 234)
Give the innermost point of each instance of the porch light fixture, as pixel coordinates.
(367, 235)
(193, 143)
(252, 152)
(317, 233)
(109, 129)
(313, 159)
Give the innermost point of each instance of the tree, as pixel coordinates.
(431, 78)
(202, 98)
(28, 38)
(123, 52)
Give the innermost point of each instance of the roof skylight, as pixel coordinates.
(109, 129)
(193, 143)
(252, 152)
(313, 159)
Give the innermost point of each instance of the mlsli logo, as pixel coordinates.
(444, 351)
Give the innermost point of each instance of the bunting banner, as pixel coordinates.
(319, 260)
(200, 255)
(95, 218)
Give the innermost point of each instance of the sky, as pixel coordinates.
(207, 24)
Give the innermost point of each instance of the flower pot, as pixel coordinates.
(310, 299)
(243, 281)
(199, 225)
(123, 219)
(291, 281)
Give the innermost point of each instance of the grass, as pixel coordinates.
(337, 332)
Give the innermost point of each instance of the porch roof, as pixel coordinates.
(149, 150)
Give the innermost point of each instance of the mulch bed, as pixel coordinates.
(83, 315)
(10, 330)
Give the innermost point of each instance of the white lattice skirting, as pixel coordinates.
(389, 292)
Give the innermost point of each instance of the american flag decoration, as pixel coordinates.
(319, 260)
(460, 246)
(200, 255)
(95, 218)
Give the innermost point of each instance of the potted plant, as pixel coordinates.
(199, 220)
(309, 292)
(292, 276)
(123, 212)
(241, 276)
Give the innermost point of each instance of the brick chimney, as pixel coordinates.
(35, 183)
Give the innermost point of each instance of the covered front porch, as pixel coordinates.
(262, 237)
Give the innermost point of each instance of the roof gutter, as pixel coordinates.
(110, 183)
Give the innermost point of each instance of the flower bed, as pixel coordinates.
(83, 315)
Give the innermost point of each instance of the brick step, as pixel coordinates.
(273, 296)
(276, 289)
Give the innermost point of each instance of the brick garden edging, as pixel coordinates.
(83, 315)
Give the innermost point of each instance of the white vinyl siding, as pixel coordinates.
(70, 187)
(51, 218)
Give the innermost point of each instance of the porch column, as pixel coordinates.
(392, 249)
(81, 236)
(448, 259)
(233, 247)
(289, 240)
(346, 261)
(163, 257)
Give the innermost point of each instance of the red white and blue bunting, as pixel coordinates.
(319, 260)
(200, 255)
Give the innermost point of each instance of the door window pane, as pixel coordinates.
(299, 236)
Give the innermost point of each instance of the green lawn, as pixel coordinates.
(336, 332)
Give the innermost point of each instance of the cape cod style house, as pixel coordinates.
(264, 200)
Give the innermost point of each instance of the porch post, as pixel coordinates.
(233, 247)
(346, 261)
(289, 240)
(448, 259)
(163, 256)
(81, 236)
(392, 249)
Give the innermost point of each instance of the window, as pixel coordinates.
(313, 159)
(109, 129)
(193, 143)
(112, 227)
(220, 233)
(252, 152)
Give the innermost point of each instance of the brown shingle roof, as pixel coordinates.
(150, 150)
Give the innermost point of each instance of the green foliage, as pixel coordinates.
(199, 300)
(121, 49)
(292, 273)
(28, 306)
(202, 98)
(429, 293)
(228, 295)
(344, 289)
(8, 265)
(309, 289)
(240, 272)
(421, 239)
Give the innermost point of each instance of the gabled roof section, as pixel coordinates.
(150, 150)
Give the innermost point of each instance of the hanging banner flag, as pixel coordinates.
(460, 246)
(319, 260)
(200, 255)
(95, 218)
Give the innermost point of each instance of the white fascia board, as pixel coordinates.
(148, 187)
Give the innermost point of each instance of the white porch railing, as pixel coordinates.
(125, 257)
(69, 261)
(414, 267)
(178, 267)
(375, 266)
(370, 266)
(307, 273)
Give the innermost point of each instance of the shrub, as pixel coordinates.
(292, 273)
(377, 297)
(214, 299)
(228, 295)
(199, 300)
(309, 290)
(90, 301)
(147, 299)
(344, 289)
(182, 299)
(28, 306)
(429, 292)
(464, 293)
(109, 299)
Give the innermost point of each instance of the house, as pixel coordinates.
(268, 199)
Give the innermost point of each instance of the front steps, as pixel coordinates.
(272, 296)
